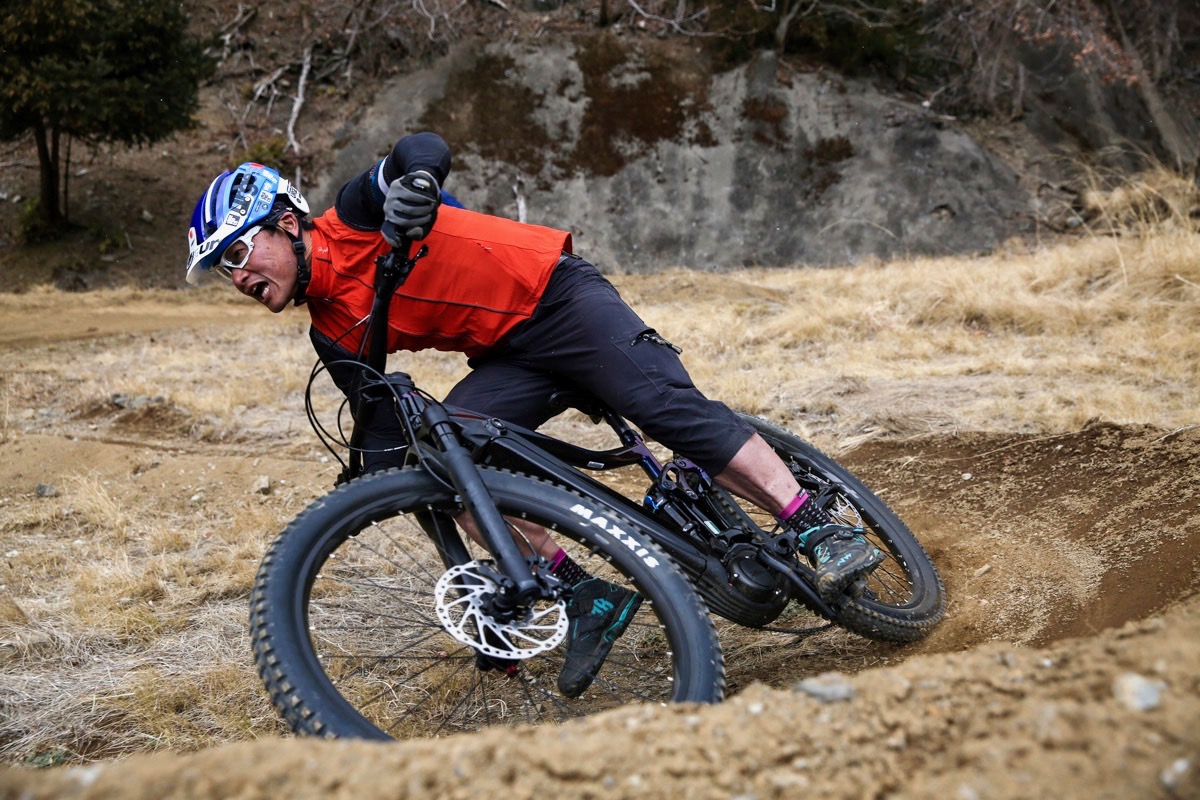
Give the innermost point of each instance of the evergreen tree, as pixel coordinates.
(124, 71)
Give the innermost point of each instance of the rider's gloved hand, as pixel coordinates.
(411, 207)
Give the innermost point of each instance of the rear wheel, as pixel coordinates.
(354, 603)
(904, 597)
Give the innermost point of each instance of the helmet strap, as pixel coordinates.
(303, 270)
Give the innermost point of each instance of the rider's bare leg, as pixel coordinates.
(530, 537)
(756, 473)
(839, 555)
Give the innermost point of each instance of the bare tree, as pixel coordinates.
(856, 12)
(1133, 43)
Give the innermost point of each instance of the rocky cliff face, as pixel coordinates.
(650, 158)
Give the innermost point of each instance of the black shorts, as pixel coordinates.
(582, 335)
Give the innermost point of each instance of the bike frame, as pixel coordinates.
(463, 439)
(543, 456)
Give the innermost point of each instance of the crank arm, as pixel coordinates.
(810, 597)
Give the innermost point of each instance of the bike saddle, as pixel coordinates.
(579, 400)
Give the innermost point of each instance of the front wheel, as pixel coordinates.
(357, 618)
(904, 597)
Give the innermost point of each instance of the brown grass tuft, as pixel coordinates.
(1159, 197)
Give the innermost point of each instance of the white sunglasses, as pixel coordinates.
(226, 265)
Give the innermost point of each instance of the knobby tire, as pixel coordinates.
(904, 597)
(348, 644)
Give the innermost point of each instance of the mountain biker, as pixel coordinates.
(531, 317)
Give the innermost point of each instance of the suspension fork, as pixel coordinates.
(518, 586)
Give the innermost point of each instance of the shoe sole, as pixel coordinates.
(829, 587)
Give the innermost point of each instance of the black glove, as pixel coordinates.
(411, 207)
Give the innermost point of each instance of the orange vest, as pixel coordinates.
(483, 276)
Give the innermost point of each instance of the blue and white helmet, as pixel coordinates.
(234, 202)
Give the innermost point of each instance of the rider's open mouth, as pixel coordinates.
(259, 291)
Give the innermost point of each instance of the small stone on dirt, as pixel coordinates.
(1138, 693)
(46, 490)
(262, 485)
(1170, 776)
(828, 687)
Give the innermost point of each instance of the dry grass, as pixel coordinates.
(123, 598)
(1024, 340)
(1039, 339)
(122, 626)
(1147, 202)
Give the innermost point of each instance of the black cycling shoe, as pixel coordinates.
(841, 556)
(599, 613)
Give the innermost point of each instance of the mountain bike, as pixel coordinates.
(374, 616)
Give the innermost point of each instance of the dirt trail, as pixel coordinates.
(1068, 664)
(42, 317)
(997, 721)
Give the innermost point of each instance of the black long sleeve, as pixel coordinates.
(360, 202)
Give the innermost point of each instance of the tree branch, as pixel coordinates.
(674, 24)
(519, 194)
(261, 87)
(232, 28)
(299, 101)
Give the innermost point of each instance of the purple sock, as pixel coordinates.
(802, 516)
(792, 507)
(563, 567)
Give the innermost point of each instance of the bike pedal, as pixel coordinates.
(858, 588)
(853, 591)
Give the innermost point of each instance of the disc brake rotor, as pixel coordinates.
(461, 597)
(841, 511)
